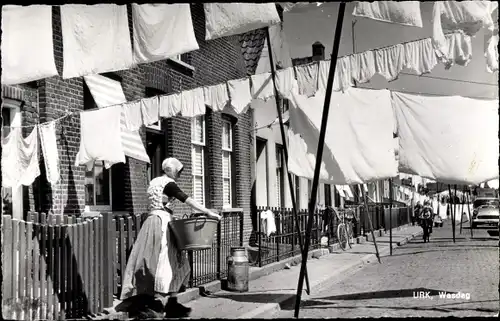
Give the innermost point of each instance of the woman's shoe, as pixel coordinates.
(174, 309)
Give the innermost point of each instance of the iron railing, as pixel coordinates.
(283, 243)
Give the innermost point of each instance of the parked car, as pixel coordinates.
(486, 210)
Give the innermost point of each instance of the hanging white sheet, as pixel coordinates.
(307, 78)
(389, 62)
(298, 7)
(358, 142)
(436, 140)
(27, 49)
(465, 16)
(20, 164)
(216, 96)
(96, 39)
(262, 86)
(162, 31)
(48, 143)
(107, 92)
(100, 138)
(420, 56)
(170, 105)
(343, 77)
(404, 12)
(193, 102)
(228, 19)
(286, 82)
(363, 66)
(457, 50)
(239, 91)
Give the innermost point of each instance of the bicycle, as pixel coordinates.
(344, 229)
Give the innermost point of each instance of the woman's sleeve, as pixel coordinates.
(173, 190)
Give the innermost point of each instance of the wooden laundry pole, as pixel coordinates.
(370, 221)
(285, 150)
(390, 216)
(319, 153)
(470, 216)
(452, 211)
(462, 211)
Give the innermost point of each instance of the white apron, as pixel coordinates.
(173, 267)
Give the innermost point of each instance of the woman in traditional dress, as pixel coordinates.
(156, 269)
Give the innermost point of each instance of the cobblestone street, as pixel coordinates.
(467, 267)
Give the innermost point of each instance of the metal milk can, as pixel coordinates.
(238, 270)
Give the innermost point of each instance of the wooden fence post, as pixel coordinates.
(108, 264)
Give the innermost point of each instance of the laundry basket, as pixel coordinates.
(194, 233)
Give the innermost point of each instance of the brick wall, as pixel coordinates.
(215, 62)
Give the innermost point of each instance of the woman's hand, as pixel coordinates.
(213, 215)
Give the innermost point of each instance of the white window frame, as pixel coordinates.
(155, 127)
(106, 207)
(178, 60)
(228, 150)
(201, 144)
(14, 107)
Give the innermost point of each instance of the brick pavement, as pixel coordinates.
(386, 290)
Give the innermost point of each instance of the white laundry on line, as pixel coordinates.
(228, 19)
(107, 92)
(359, 136)
(20, 164)
(100, 138)
(239, 92)
(96, 39)
(27, 47)
(50, 153)
(404, 12)
(162, 31)
(435, 141)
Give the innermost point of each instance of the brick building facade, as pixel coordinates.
(215, 62)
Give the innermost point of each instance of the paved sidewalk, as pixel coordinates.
(268, 292)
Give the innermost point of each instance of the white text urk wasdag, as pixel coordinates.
(441, 295)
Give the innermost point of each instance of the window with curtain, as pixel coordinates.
(198, 139)
(279, 176)
(227, 151)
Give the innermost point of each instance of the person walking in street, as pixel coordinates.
(426, 220)
(416, 213)
(157, 269)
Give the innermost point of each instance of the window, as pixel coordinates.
(227, 149)
(198, 158)
(97, 186)
(98, 179)
(12, 198)
(328, 195)
(297, 191)
(280, 195)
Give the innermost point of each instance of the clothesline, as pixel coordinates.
(248, 78)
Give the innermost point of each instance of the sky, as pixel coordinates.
(317, 23)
